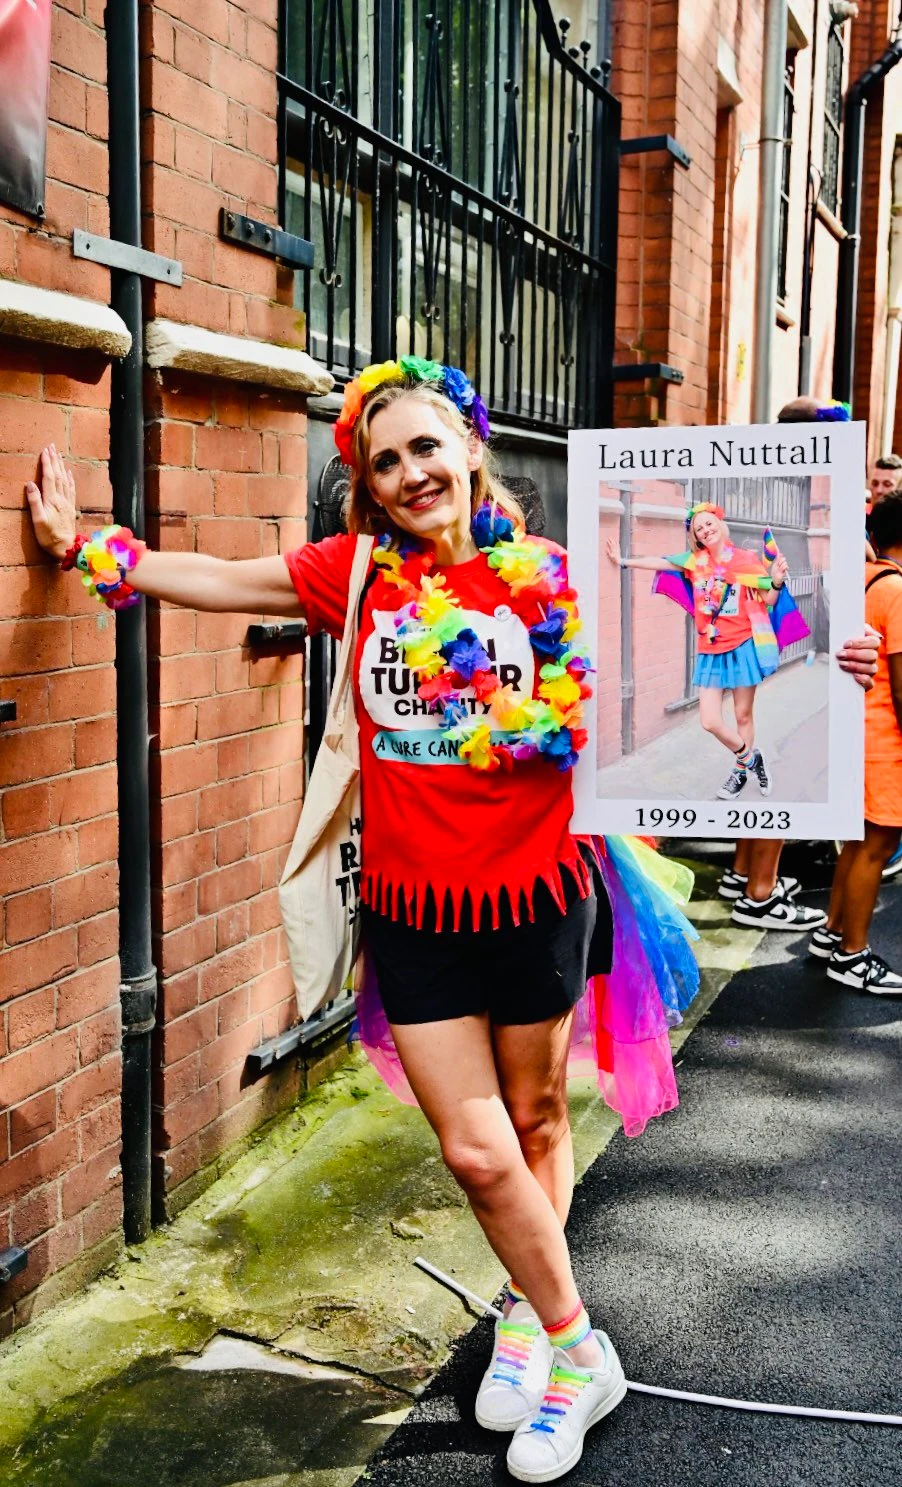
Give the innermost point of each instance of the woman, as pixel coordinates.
(483, 915)
(728, 591)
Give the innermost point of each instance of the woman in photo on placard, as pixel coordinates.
(743, 616)
(501, 951)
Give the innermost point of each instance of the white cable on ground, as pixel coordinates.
(753, 1406)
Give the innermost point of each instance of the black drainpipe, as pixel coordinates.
(138, 984)
(850, 247)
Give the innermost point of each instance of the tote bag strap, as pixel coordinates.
(340, 716)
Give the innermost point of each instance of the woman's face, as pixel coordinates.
(420, 468)
(708, 529)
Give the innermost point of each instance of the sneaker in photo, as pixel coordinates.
(776, 912)
(864, 971)
(823, 943)
(550, 1444)
(734, 784)
(894, 866)
(758, 767)
(790, 886)
(515, 1380)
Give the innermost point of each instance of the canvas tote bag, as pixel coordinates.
(319, 889)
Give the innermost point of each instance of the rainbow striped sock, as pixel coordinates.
(744, 756)
(572, 1330)
(514, 1294)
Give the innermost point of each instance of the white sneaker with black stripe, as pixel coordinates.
(776, 912)
(734, 885)
(823, 943)
(864, 971)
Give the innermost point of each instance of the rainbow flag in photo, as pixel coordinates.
(771, 550)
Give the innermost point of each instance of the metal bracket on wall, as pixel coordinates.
(7, 712)
(124, 256)
(12, 1263)
(642, 370)
(649, 144)
(247, 232)
(329, 1020)
(281, 638)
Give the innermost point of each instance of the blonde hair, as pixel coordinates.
(364, 512)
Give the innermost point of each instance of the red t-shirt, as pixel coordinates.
(430, 822)
(733, 623)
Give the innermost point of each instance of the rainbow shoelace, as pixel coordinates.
(514, 1347)
(564, 1388)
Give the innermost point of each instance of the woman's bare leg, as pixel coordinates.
(532, 1071)
(710, 715)
(744, 710)
(452, 1072)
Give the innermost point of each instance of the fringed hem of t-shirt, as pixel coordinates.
(410, 899)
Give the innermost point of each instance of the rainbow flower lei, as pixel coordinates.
(451, 381)
(448, 658)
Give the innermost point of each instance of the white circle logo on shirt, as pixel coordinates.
(388, 688)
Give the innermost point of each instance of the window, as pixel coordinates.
(786, 173)
(836, 62)
(456, 169)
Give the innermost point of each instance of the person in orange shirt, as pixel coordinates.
(843, 942)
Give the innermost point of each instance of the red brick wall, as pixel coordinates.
(59, 1003)
(226, 764)
(226, 469)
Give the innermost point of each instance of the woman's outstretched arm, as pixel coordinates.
(242, 586)
(654, 565)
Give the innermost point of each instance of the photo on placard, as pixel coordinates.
(724, 568)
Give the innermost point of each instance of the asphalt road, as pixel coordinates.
(748, 1246)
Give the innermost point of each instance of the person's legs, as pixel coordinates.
(744, 710)
(452, 1072)
(763, 865)
(532, 1071)
(862, 883)
(710, 715)
(844, 867)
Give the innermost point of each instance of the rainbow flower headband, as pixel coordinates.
(454, 384)
(717, 511)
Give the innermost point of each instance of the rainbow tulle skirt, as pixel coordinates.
(621, 1026)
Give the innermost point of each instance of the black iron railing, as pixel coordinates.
(456, 166)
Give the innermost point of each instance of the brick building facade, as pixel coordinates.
(226, 465)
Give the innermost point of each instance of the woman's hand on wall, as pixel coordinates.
(52, 504)
(612, 548)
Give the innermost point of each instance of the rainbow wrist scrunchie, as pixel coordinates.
(104, 560)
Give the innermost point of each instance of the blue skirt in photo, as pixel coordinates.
(738, 668)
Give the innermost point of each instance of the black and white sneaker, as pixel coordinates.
(823, 943)
(734, 885)
(865, 971)
(758, 767)
(737, 781)
(776, 912)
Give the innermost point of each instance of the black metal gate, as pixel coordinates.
(456, 166)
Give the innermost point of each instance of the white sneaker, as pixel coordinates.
(865, 971)
(515, 1380)
(551, 1443)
